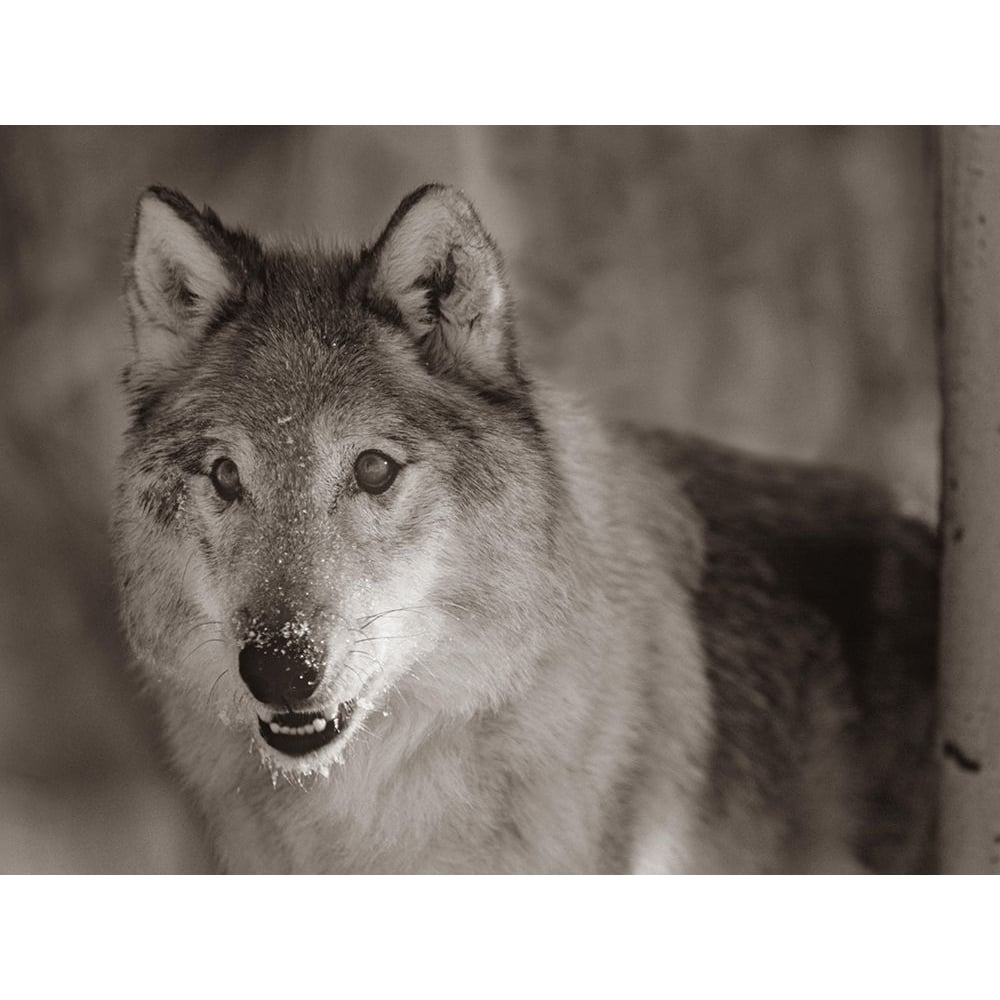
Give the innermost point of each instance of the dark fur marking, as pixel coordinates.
(176, 288)
(189, 454)
(801, 562)
(162, 501)
(954, 753)
(386, 309)
(439, 283)
(144, 403)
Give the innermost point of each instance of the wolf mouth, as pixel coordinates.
(299, 733)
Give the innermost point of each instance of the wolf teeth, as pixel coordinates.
(316, 726)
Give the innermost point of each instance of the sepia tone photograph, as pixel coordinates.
(498, 500)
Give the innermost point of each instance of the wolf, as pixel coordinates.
(403, 606)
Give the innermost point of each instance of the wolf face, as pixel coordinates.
(322, 451)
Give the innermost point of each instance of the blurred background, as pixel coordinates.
(770, 287)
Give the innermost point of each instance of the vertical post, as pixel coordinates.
(970, 638)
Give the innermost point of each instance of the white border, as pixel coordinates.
(721, 63)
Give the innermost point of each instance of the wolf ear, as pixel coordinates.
(436, 264)
(177, 278)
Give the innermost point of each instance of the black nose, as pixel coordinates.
(280, 672)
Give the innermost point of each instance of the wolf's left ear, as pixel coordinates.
(177, 279)
(436, 264)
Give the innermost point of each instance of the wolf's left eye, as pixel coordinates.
(374, 471)
(226, 479)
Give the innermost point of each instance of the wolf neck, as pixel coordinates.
(537, 783)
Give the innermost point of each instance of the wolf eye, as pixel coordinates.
(374, 471)
(226, 479)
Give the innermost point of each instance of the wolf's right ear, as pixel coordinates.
(177, 281)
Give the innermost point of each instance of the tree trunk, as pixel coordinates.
(970, 639)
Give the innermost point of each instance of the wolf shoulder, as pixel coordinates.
(815, 602)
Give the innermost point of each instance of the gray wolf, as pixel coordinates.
(404, 607)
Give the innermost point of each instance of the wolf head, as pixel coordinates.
(336, 500)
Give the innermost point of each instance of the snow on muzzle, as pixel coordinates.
(283, 668)
(299, 733)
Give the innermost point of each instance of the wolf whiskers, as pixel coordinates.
(392, 688)
(367, 621)
(204, 624)
(211, 690)
(375, 638)
(204, 642)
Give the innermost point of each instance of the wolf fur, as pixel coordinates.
(571, 646)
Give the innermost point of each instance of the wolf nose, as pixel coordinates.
(279, 675)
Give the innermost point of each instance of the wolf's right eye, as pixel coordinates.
(226, 479)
